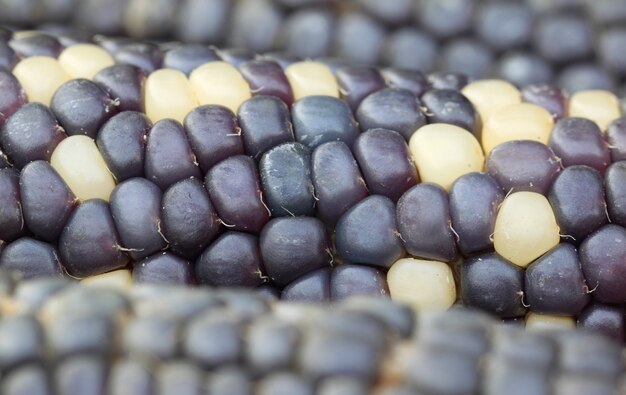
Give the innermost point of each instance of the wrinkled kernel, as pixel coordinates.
(525, 228)
(79, 163)
(84, 60)
(600, 106)
(444, 152)
(535, 321)
(311, 79)
(422, 284)
(117, 279)
(40, 77)
(490, 96)
(168, 94)
(219, 83)
(522, 121)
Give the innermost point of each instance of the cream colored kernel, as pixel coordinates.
(522, 121)
(40, 77)
(525, 228)
(444, 152)
(85, 60)
(311, 79)
(168, 94)
(117, 279)
(490, 96)
(538, 322)
(219, 83)
(600, 106)
(79, 163)
(26, 33)
(422, 284)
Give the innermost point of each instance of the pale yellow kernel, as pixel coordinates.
(117, 279)
(600, 106)
(422, 284)
(489, 96)
(79, 163)
(311, 79)
(168, 94)
(40, 76)
(444, 152)
(525, 228)
(220, 83)
(85, 60)
(522, 121)
(539, 322)
(26, 33)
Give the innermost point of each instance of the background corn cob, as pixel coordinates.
(156, 339)
(518, 41)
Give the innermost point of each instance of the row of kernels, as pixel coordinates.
(211, 83)
(170, 95)
(41, 76)
(499, 103)
(505, 117)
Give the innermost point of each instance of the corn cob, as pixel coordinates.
(456, 36)
(366, 184)
(158, 339)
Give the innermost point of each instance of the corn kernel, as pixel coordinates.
(523, 121)
(80, 164)
(220, 83)
(311, 79)
(444, 152)
(422, 284)
(600, 106)
(168, 94)
(525, 228)
(40, 76)
(84, 60)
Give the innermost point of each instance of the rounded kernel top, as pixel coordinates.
(489, 96)
(40, 77)
(84, 60)
(80, 164)
(525, 228)
(311, 79)
(168, 94)
(600, 106)
(521, 121)
(444, 152)
(422, 284)
(219, 83)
